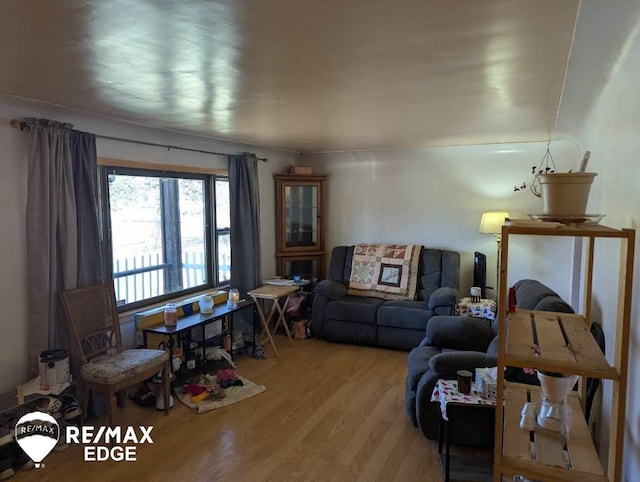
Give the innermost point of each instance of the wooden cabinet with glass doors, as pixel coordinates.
(300, 201)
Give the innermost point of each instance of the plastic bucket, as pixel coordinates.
(565, 194)
(54, 368)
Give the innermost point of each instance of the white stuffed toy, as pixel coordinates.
(217, 353)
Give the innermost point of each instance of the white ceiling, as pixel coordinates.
(299, 74)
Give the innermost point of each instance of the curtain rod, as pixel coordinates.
(18, 124)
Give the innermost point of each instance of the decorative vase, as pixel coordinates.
(206, 304)
(563, 194)
(554, 411)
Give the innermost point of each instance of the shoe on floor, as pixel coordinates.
(20, 460)
(6, 434)
(144, 397)
(160, 401)
(70, 407)
(50, 404)
(62, 440)
(6, 465)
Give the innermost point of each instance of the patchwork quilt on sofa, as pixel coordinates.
(387, 271)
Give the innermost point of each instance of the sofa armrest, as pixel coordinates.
(443, 297)
(458, 333)
(448, 363)
(331, 289)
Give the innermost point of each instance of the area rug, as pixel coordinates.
(388, 271)
(234, 394)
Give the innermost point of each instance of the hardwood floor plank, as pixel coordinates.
(331, 412)
(363, 436)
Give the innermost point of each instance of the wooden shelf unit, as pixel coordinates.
(564, 345)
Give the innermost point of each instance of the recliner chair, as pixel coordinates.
(455, 343)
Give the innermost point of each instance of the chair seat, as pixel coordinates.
(116, 367)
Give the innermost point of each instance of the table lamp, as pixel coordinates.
(491, 223)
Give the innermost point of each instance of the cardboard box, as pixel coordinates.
(486, 383)
(300, 170)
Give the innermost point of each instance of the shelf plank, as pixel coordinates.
(564, 344)
(516, 438)
(580, 444)
(548, 463)
(551, 341)
(512, 467)
(549, 448)
(579, 230)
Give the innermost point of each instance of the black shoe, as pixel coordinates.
(144, 397)
(6, 465)
(19, 459)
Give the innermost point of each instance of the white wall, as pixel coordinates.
(612, 134)
(13, 195)
(436, 197)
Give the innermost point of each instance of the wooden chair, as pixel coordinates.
(94, 325)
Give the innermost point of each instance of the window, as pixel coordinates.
(165, 233)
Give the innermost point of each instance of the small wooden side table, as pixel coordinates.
(273, 293)
(446, 393)
(485, 308)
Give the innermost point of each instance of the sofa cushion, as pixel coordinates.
(418, 366)
(399, 338)
(331, 289)
(438, 268)
(553, 303)
(361, 333)
(337, 263)
(418, 362)
(493, 347)
(354, 309)
(407, 314)
(449, 363)
(533, 295)
(459, 333)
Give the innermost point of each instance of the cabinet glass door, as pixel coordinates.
(301, 216)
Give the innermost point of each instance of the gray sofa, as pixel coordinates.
(398, 324)
(455, 343)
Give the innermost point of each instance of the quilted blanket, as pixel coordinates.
(388, 271)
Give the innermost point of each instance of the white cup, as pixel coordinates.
(475, 293)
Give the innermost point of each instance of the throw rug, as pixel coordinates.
(234, 394)
(387, 271)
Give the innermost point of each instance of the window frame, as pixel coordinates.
(209, 176)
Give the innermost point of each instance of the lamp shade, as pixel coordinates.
(492, 221)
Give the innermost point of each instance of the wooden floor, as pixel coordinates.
(331, 412)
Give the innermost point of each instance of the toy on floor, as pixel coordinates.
(228, 378)
(205, 387)
(217, 353)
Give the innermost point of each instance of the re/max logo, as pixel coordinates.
(109, 435)
(109, 443)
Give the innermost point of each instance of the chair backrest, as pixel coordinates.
(92, 317)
